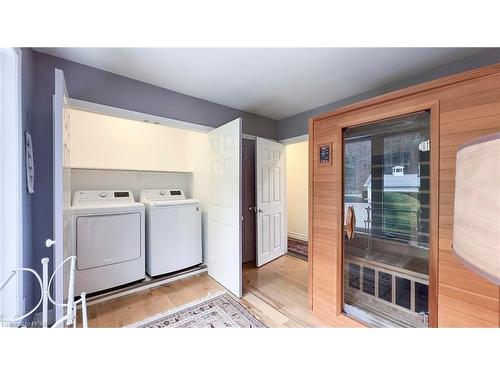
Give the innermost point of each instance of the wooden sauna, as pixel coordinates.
(348, 272)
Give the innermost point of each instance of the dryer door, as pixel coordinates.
(107, 239)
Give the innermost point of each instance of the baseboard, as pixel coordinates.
(298, 236)
(143, 285)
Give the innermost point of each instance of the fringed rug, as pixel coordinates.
(213, 311)
(298, 246)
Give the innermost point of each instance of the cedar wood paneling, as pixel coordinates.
(463, 107)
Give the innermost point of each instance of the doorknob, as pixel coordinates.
(250, 208)
(260, 210)
(49, 242)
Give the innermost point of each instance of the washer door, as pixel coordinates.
(107, 239)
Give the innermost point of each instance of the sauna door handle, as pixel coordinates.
(350, 222)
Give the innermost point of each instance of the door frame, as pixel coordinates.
(243, 207)
(16, 149)
(381, 115)
(286, 141)
(291, 141)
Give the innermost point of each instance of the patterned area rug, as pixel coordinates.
(220, 311)
(297, 246)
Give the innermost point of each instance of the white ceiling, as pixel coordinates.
(274, 82)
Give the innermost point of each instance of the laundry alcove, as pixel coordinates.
(113, 153)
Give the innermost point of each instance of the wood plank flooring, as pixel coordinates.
(275, 293)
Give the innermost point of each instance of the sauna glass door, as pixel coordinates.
(386, 217)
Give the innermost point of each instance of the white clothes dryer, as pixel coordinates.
(108, 238)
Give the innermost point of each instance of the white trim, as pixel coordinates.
(298, 236)
(129, 170)
(285, 196)
(248, 136)
(15, 149)
(298, 139)
(19, 179)
(140, 287)
(137, 116)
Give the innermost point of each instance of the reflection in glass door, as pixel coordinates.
(386, 203)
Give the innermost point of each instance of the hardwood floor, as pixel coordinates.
(275, 293)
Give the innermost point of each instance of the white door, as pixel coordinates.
(270, 165)
(62, 185)
(224, 209)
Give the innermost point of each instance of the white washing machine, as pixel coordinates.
(108, 238)
(173, 231)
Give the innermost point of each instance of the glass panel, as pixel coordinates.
(403, 288)
(385, 286)
(356, 175)
(369, 280)
(421, 297)
(354, 275)
(386, 182)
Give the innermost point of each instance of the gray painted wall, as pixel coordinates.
(30, 291)
(98, 86)
(297, 125)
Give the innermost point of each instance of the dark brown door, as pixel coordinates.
(248, 182)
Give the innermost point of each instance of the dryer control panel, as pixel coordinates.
(162, 195)
(92, 197)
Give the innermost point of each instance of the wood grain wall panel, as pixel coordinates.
(478, 123)
(469, 107)
(462, 293)
(454, 274)
(322, 211)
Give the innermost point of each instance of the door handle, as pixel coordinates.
(49, 242)
(350, 222)
(260, 210)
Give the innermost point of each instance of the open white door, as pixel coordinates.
(224, 209)
(270, 165)
(62, 186)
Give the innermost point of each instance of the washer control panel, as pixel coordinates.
(162, 195)
(90, 197)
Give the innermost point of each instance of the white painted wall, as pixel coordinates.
(105, 142)
(106, 179)
(101, 141)
(297, 189)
